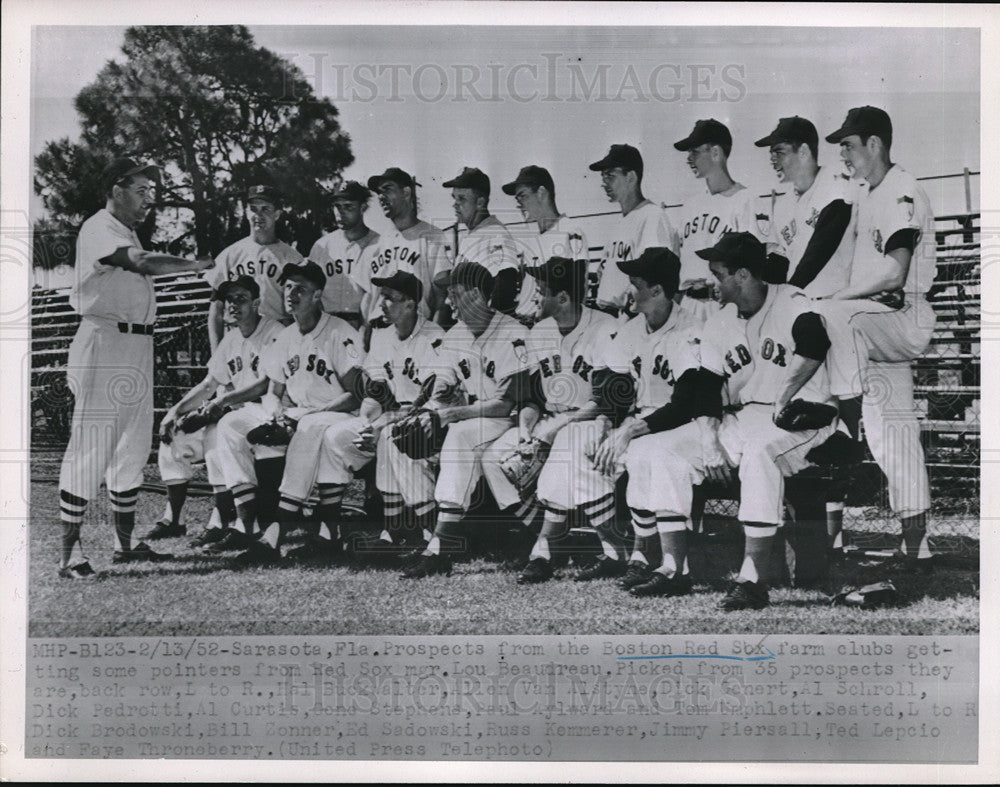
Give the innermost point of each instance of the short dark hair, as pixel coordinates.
(813, 147)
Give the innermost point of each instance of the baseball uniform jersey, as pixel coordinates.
(491, 245)
(645, 226)
(793, 219)
(565, 238)
(705, 217)
(484, 365)
(567, 363)
(423, 250)
(236, 361)
(246, 257)
(338, 256)
(311, 365)
(406, 364)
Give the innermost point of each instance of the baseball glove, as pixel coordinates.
(273, 433)
(419, 435)
(878, 594)
(799, 416)
(206, 415)
(523, 465)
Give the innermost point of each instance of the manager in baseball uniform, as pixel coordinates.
(341, 252)
(488, 242)
(260, 255)
(412, 245)
(642, 225)
(723, 206)
(110, 365)
(547, 233)
(487, 355)
(881, 320)
(765, 347)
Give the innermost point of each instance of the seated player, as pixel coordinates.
(485, 352)
(235, 364)
(765, 346)
(316, 362)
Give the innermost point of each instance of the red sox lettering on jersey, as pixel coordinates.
(406, 364)
(483, 366)
(655, 359)
(754, 354)
(311, 365)
(264, 264)
(236, 361)
(567, 363)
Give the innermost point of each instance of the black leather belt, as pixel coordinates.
(135, 327)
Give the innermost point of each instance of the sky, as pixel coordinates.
(434, 99)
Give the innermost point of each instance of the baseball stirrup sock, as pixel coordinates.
(176, 495)
(645, 540)
(426, 517)
(272, 535)
(71, 509)
(288, 507)
(393, 513)
(835, 525)
(673, 531)
(527, 511)
(225, 505)
(915, 536)
(554, 523)
(123, 512)
(328, 501)
(448, 532)
(758, 551)
(245, 498)
(601, 515)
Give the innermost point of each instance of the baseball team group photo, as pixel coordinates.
(634, 346)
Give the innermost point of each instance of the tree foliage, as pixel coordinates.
(217, 113)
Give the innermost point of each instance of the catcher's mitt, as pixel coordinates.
(206, 415)
(273, 433)
(523, 465)
(878, 594)
(419, 435)
(799, 416)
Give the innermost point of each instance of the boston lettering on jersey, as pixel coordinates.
(770, 350)
(704, 222)
(338, 267)
(395, 253)
(253, 267)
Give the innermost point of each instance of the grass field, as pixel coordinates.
(199, 595)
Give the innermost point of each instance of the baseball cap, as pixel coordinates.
(264, 193)
(740, 248)
(793, 130)
(352, 191)
(469, 178)
(244, 282)
(624, 156)
(561, 274)
(656, 265)
(707, 132)
(393, 175)
(471, 274)
(308, 270)
(530, 175)
(865, 121)
(403, 282)
(121, 168)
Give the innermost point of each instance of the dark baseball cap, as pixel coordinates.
(471, 274)
(737, 248)
(561, 274)
(403, 282)
(707, 132)
(352, 191)
(530, 175)
(264, 193)
(308, 270)
(392, 175)
(656, 265)
(865, 122)
(469, 178)
(243, 282)
(794, 130)
(624, 156)
(121, 168)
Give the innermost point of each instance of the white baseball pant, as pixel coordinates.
(236, 455)
(663, 468)
(396, 473)
(568, 478)
(178, 459)
(461, 459)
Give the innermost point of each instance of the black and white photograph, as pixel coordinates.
(513, 383)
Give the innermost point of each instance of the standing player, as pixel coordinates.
(315, 361)
(413, 245)
(765, 349)
(110, 365)
(235, 364)
(260, 255)
(553, 235)
(811, 222)
(725, 206)
(881, 320)
(643, 225)
(347, 248)
(654, 355)
(404, 357)
(488, 242)
(565, 350)
(485, 351)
